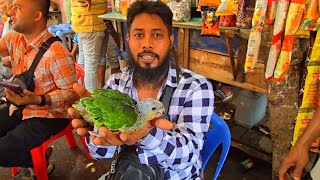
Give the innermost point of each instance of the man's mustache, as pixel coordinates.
(148, 52)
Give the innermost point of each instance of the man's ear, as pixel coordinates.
(38, 15)
(171, 40)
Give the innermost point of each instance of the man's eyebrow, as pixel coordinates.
(140, 29)
(157, 29)
(137, 29)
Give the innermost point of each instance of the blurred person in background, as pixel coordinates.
(93, 41)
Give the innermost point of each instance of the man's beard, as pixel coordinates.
(148, 74)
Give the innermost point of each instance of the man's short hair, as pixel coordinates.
(43, 6)
(150, 7)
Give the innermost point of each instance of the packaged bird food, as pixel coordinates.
(210, 22)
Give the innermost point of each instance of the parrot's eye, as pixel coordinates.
(154, 108)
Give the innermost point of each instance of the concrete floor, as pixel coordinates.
(70, 164)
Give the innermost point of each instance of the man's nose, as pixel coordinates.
(147, 43)
(11, 10)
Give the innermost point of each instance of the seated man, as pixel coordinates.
(174, 144)
(45, 110)
(5, 66)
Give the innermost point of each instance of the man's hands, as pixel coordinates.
(135, 136)
(85, 3)
(296, 159)
(27, 98)
(107, 137)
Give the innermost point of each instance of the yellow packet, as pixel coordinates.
(309, 21)
(315, 54)
(303, 118)
(228, 7)
(311, 87)
(305, 34)
(292, 24)
(211, 3)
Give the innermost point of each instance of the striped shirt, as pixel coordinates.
(176, 151)
(54, 75)
(83, 20)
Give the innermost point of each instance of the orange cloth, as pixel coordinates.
(54, 75)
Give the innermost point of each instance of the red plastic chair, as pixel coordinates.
(80, 73)
(38, 153)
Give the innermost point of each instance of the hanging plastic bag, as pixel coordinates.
(309, 21)
(210, 3)
(271, 11)
(278, 30)
(310, 100)
(303, 118)
(227, 21)
(255, 35)
(228, 7)
(245, 14)
(292, 24)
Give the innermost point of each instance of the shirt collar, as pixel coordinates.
(37, 41)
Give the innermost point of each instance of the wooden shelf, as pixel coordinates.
(195, 23)
(217, 67)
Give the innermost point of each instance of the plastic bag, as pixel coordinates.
(181, 10)
(278, 31)
(310, 18)
(228, 7)
(210, 3)
(303, 118)
(245, 14)
(253, 50)
(311, 87)
(271, 11)
(117, 6)
(292, 24)
(210, 22)
(302, 34)
(228, 21)
(124, 6)
(255, 35)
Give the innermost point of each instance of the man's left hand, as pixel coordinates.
(135, 136)
(85, 3)
(27, 98)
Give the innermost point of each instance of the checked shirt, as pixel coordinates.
(176, 151)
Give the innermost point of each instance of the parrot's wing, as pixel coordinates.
(115, 114)
(109, 108)
(115, 95)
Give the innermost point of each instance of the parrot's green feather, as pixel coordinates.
(114, 110)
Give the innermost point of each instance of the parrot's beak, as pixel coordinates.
(160, 112)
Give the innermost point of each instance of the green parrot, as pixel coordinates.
(117, 111)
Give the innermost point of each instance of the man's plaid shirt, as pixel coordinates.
(178, 150)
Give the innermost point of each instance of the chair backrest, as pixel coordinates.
(219, 134)
(79, 73)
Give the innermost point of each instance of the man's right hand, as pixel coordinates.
(107, 137)
(296, 159)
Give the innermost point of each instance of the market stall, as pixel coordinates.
(264, 45)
